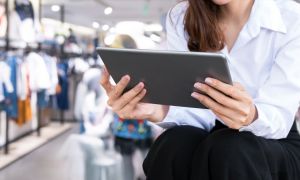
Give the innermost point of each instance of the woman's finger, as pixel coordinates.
(231, 124)
(119, 88)
(239, 86)
(225, 88)
(214, 106)
(128, 111)
(104, 81)
(128, 96)
(217, 95)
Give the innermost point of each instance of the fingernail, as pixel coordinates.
(195, 95)
(126, 78)
(198, 86)
(208, 81)
(104, 68)
(140, 85)
(143, 91)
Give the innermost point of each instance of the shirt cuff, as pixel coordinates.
(258, 126)
(169, 120)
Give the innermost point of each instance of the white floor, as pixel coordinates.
(42, 163)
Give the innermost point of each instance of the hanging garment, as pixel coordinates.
(62, 98)
(23, 93)
(3, 21)
(42, 100)
(24, 9)
(24, 111)
(5, 75)
(22, 80)
(53, 74)
(11, 97)
(23, 26)
(78, 65)
(21, 30)
(38, 73)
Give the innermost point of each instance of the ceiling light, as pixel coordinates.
(130, 27)
(95, 25)
(108, 10)
(109, 40)
(155, 38)
(112, 30)
(153, 27)
(55, 8)
(105, 27)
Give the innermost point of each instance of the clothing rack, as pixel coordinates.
(6, 150)
(27, 48)
(62, 19)
(7, 48)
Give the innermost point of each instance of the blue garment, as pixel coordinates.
(12, 98)
(24, 10)
(82, 129)
(62, 98)
(131, 129)
(42, 100)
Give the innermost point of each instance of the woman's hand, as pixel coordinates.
(236, 111)
(127, 106)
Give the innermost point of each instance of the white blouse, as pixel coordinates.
(5, 73)
(265, 59)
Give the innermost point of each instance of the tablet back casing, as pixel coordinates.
(169, 76)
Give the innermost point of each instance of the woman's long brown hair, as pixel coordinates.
(201, 25)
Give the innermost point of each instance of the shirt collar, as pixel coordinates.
(266, 14)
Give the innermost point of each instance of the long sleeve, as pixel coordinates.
(38, 74)
(5, 79)
(53, 77)
(278, 99)
(202, 118)
(22, 85)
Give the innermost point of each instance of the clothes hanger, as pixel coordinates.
(20, 2)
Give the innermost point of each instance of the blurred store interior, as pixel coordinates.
(54, 121)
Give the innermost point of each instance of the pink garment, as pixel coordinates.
(3, 21)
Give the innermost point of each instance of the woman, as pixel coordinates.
(254, 136)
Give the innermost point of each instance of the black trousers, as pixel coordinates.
(190, 153)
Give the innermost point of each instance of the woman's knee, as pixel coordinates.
(180, 136)
(174, 150)
(229, 143)
(228, 151)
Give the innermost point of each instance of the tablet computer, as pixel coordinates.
(169, 76)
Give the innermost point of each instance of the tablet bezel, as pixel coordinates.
(115, 54)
